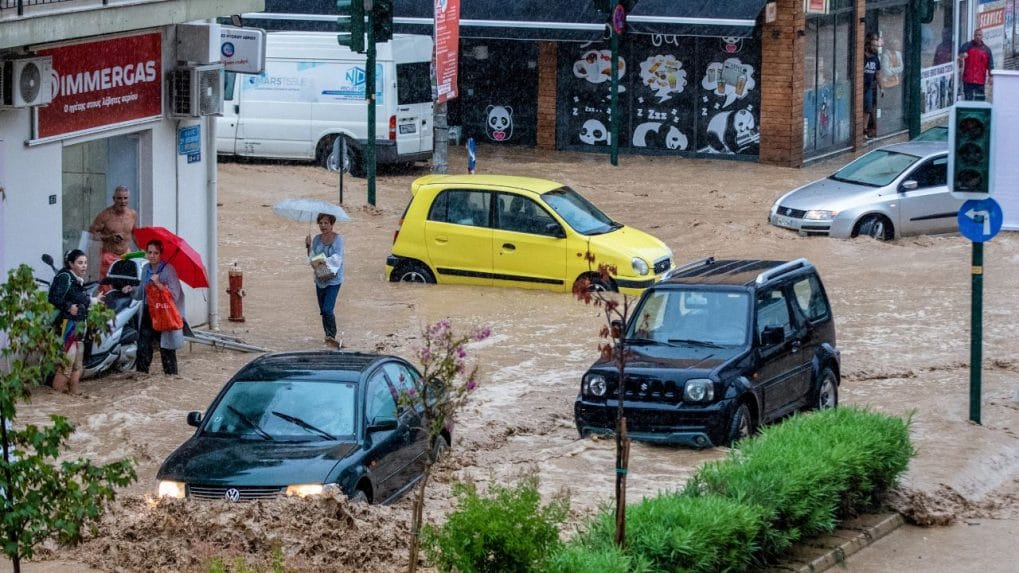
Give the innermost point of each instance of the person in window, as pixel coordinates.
(977, 61)
(891, 65)
(325, 252)
(871, 67)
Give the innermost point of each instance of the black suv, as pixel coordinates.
(715, 349)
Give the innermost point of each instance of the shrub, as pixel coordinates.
(508, 531)
(810, 471)
(576, 558)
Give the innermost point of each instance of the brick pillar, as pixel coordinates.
(546, 128)
(860, 9)
(782, 86)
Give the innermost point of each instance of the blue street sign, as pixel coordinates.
(980, 219)
(471, 155)
(189, 139)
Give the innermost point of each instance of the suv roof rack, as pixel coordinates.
(699, 262)
(784, 268)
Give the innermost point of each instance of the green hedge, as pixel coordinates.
(795, 480)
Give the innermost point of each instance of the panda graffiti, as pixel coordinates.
(499, 122)
(593, 132)
(733, 132)
(651, 134)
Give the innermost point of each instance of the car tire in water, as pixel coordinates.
(741, 425)
(596, 284)
(826, 391)
(359, 497)
(412, 272)
(876, 227)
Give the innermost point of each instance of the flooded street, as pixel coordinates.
(901, 310)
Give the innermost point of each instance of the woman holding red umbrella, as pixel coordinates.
(163, 276)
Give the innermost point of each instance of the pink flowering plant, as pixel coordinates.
(446, 382)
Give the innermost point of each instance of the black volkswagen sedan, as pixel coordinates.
(305, 423)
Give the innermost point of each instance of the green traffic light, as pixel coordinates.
(970, 159)
(350, 24)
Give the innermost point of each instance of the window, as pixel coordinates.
(413, 84)
(381, 400)
(772, 310)
(810, 298)
(229, 81)
(933, 173)
(461, 208)
(523, 215)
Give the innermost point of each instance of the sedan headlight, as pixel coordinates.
(699, 390)
(595, 385)
(174, 489)
(304, 490)
(639, 266)
(819, 215)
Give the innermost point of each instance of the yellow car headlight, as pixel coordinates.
(174, 489)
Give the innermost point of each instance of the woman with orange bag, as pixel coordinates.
(161, 276)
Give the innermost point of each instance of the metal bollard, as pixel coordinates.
(236, 292)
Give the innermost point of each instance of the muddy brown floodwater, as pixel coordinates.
(901, 308)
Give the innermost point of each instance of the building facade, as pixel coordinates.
(103, 112)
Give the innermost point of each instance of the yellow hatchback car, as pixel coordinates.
(516, 231)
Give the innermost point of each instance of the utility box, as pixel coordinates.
(198, 43)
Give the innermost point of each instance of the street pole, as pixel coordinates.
(369, 87)
(976, 330)
(614, 105)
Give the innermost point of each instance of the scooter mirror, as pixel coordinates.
(46, 258)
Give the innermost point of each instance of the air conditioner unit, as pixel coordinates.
(196, 91)
(26, 82)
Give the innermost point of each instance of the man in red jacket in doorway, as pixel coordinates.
(977, 61)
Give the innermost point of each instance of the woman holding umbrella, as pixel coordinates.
(163, 276)
(325, 252)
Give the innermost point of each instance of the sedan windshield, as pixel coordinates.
(579, 213)
(285, 410)
(691, 317)
(876, 169)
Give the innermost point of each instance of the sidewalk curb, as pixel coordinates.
(833, 549)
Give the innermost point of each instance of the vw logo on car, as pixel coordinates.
(232, 494)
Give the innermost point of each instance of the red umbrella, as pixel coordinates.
(176, 251)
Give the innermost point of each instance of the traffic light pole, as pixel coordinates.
(976, 330)
(369, 88)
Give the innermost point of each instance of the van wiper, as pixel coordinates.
(244, 418)
(693, 342)
(305, 425)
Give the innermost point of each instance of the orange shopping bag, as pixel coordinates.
(162, 310)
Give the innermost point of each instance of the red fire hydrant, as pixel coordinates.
(236, 292)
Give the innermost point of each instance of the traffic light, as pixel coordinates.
(969, 142)
(351, 24)
(383, 20)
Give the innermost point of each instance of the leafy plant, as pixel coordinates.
(40, 498)
(507, 531)
(591, 289)
(443, 389)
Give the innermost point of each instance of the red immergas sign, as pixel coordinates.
(103, 83)
(619, 19)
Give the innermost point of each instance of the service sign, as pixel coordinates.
(103, 84)
(242, 50)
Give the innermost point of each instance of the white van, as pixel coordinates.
(312, 91)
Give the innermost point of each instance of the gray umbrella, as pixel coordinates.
(307, 210)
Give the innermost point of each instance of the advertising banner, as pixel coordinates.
(312, 82)
(447, 48)
(242, 50)
(937, 89)
(103, 84)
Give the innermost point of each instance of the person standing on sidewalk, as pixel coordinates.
(977, 61)
(871, 67)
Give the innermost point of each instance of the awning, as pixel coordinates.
(574, 20)
(695, 17)
(554, 20)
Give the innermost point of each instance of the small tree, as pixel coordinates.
(40, 498)
(592, 290)
(439, 394)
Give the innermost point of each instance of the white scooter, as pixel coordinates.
(116, 350)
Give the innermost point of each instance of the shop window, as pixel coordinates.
(827, 80)
(889, 23)
(937, 67)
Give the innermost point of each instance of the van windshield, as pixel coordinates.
(414, 84)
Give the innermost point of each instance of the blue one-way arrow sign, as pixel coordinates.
(980, 219)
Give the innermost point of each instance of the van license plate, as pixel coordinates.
(408, 128)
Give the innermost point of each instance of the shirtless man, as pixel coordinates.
(113, 226)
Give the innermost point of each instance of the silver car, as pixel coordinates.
(890, 192)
